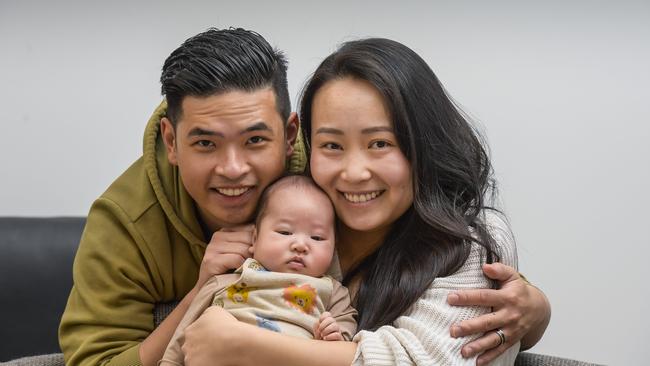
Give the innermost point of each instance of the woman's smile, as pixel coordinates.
(362, 197)
(355, 156)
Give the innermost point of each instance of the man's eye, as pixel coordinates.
(205, 143)
(283, 232)
(317, 238)
(256, 140)
(332, 146)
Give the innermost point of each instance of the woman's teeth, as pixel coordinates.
(361, 198)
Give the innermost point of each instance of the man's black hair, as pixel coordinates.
(223, 60)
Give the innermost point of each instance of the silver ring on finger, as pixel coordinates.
(502, 337)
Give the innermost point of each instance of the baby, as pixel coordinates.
(283, 288)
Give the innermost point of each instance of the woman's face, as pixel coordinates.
(355, 156)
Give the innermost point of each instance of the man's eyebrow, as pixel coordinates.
(259, 126)
(377, 129)
(197, 131)
(333, 131)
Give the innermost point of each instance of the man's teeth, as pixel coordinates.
(361, 198)
(232, 191)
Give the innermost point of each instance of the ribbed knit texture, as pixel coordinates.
(421, 335)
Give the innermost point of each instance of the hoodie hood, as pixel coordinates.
(166, 182)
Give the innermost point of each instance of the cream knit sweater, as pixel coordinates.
(421, 335)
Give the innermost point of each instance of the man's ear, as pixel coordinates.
(291, 131)
(169, 138)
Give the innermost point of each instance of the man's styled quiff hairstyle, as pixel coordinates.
(223, 60)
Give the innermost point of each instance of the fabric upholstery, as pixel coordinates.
(35, 278)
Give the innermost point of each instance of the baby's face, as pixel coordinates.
(296, 233)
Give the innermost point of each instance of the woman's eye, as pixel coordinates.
(381, 144)
(283, 232)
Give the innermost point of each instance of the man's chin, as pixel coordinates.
(222, 217)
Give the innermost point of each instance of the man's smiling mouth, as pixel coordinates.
(233, 192)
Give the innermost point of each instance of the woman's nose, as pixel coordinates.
(356, 169)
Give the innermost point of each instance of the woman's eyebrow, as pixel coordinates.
(334, 131)
(377, 129)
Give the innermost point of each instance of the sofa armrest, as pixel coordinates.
(55, 359)
(534, 359)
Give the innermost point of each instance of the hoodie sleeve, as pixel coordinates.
(110, 307)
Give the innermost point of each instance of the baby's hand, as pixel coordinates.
(327, 329)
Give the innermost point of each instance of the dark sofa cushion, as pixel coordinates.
(36, 256)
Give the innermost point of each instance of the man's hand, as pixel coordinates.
(518, 309)
(327, 329)
(227, 250)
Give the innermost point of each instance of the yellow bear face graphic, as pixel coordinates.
(302, 298)
(238, 293)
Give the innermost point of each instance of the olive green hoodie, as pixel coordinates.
(142, 245)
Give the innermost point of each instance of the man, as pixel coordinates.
(223, 137)
(178, 215)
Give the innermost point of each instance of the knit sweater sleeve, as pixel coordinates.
(421, 335)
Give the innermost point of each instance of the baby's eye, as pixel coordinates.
(317, 238)
(283, 232)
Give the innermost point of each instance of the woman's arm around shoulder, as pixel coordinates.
(520, 310)
(421, 336)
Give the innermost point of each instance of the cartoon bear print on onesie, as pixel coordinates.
(301, 297)
(238, 293)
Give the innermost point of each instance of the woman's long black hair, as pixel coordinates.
(451, 175)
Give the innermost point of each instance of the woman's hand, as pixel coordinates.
(519, 310)
(213, 339)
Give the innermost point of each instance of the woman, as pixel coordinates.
(408, 177)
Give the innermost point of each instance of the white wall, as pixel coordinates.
(560, 88)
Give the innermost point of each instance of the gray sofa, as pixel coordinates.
(36, 277)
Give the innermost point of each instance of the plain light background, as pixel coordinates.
(560, 88)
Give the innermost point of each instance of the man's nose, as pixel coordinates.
(233, 165)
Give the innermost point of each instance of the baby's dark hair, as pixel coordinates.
(296, 180)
